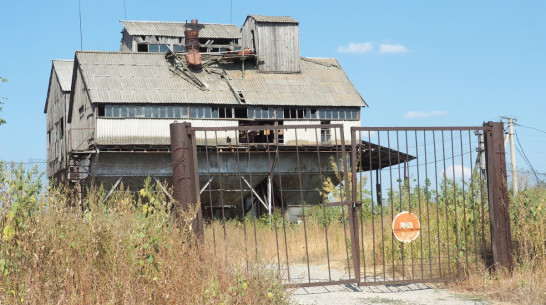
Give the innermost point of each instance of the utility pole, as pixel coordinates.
(510, 136)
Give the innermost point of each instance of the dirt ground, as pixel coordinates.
(400, 294)
(381, 294)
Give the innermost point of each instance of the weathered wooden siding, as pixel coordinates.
(82, 129)
(56, 125)
(54, 115)
(277, 45)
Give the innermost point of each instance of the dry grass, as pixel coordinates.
(527, 282)
(257, 241)
(124, 252)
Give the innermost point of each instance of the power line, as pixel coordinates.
(526, 159)
(531, 128)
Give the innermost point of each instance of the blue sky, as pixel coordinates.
(416, 63)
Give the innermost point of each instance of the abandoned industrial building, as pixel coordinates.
(108, 113)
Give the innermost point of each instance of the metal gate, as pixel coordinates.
(318, 208)
(441, 180)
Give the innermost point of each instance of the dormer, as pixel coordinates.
(275, 40)
(158, 36)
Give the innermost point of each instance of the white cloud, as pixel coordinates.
(459, 172)
(423, 114)
(386, 48)
(357, 48)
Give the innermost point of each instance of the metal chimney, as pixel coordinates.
(191, 35)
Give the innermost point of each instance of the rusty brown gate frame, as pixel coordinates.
(187, 189)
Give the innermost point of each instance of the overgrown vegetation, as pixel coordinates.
(525, 285)
(129, 249)
(125, 250)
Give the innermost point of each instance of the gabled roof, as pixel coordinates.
(176, 29)
(115, 77)
(274, 19)
(62, 70)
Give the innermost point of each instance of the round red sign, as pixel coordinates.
(406, 227)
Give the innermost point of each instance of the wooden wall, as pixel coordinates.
(56, 125)
(82, 129)
(277, 45)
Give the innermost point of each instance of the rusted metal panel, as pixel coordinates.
(501, 236)
(184, 175)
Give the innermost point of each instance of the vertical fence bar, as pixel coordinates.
(354, 208)
(323, 207)
(501, 238)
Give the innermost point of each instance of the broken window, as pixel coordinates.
(241, 113)
(142, 47)
(100, 110)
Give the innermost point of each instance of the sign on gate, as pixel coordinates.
(406, 227)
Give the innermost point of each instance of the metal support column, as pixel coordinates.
(185, 179)
(501, 238)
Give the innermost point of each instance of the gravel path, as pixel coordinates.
(399, 294)
(352, 294)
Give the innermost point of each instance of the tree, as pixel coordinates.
(2, 80)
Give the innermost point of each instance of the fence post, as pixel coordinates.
(501, 237)
(355, 207)
(185, 179)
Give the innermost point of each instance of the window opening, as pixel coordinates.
(241, 113)
(177, 48)
(61, 129)
(325, 133)
(142, 47)
(163, 48)
(100, 111)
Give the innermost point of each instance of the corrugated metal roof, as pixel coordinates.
(113, 77)
(176, 29)
(277, 19)
(63, 69)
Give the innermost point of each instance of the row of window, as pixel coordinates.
(162, 48)
(212, 112)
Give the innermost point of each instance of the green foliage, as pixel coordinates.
(2, 80)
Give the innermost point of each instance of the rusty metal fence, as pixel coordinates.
(441, 179)
(278, 194)
(317, 206)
